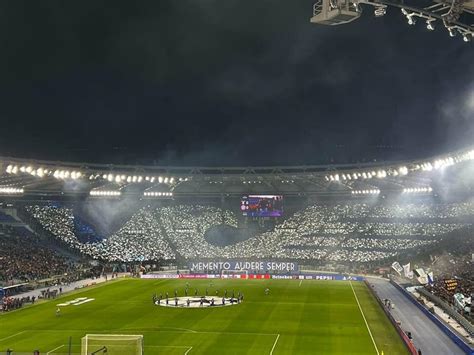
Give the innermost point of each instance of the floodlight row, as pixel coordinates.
(418, 189)
(11, 190)
(157, 194)
(119, 178)
(403, 170)
(64, 174)
(412, 17)
(366, 192)
(42, 171)
(363, 175)
(105, 193)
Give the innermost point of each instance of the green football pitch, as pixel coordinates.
(296, 317)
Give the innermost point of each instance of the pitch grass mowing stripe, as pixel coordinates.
(365, 320)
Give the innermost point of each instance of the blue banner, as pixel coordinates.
(250, 266)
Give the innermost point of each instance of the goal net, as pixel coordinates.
(234, 274)
(112, 344)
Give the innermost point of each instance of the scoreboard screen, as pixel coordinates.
(262, 205)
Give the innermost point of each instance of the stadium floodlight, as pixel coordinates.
(171, 180)
(429, 24)
(9, 169)
(166, 180)
(22, 169)
(380, 11)
(403, 170)
(160, 179)
(152, 179)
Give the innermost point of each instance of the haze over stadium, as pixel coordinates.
(208, 177)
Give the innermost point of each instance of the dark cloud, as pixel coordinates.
(226, 82)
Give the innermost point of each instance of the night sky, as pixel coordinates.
(213, 82)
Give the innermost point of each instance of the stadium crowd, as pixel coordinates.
(23, 258)
(335, 233)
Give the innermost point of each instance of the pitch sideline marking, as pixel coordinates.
(300, 283)
(274, 344)
(187, 351)
(14, 335)
(59, 347)
(365, 320)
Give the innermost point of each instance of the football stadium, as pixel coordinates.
(209, 178)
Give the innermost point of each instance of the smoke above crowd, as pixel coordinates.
(214, 83)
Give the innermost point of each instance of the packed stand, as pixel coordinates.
(342, 233)
(24, 258)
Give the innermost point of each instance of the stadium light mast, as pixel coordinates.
(457, 16)
(335, 12)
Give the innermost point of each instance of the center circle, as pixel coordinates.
(198, 302)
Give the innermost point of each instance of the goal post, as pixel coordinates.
(112, 344)
(234, 274)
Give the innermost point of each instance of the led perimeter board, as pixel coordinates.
(262, 205)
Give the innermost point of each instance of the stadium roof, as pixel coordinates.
(22, 177)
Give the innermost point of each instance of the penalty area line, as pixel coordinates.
(274, 344)
(365, 320)
(300, 282)
(59, 347)
(187, 351)
(14, 335)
